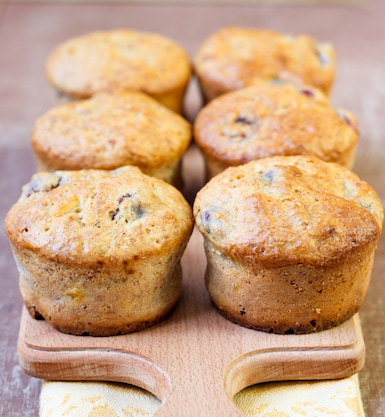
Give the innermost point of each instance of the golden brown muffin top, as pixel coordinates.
(108, 217)
(236, 57)
(109, 131)
(285, 211)
(116, 60)
(268, 120)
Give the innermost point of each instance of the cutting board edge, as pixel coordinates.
(258, 367)
(94, 365)
(267, 367)
(251, 368)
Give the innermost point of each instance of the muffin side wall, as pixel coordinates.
(292, 299)
(98, 300)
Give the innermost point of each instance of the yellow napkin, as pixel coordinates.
(297, 398)
(95, 399)
(274, 399)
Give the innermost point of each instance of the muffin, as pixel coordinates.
(98, 252)
(121, 60)
(289, 243)
(236, 57)
(269, 120)
(108, 131)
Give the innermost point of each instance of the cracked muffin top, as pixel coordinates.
(270, 120)
(236, 57)
(86, 217)
(285, 211)
(116, 60)
(109, 131)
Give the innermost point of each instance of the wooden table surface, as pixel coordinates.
(29, 31)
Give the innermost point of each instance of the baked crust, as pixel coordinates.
(109, 131)
(269, 120)
(121, 60)
(303, 210)
(289, 243)
(98, 252)
(236, 57)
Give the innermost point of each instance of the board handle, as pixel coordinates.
(181, 394)
(269, 367)
(180, 398)
(193, 382)
(258, 366)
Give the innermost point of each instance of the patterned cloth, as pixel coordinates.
(302, 399)
(274, 399)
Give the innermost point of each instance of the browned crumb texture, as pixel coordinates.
(288, 210)
(91, 216)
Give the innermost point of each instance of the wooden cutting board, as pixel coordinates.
(195, 361)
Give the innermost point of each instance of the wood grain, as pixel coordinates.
(193, 356)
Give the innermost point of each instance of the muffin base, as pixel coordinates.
(326, 324)
(288, 300)
(116, 331)
(99, 302)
